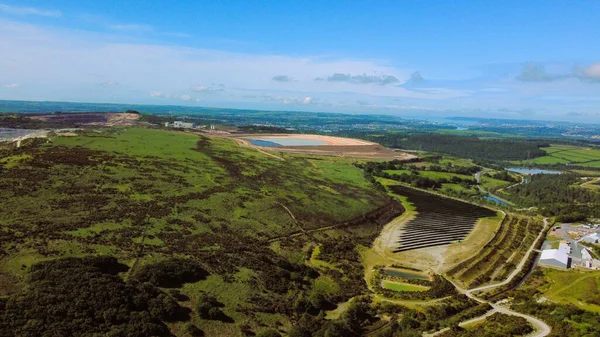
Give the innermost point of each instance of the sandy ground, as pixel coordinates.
(330, 140)
(91, 118)
(336, 146)
(433, 259)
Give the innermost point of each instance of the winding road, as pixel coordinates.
(541, 329)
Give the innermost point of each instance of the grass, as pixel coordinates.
(491, 184)
(123, 191)
(573, 286)
(399, 286)
(564, 154)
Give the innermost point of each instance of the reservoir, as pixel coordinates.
(9, 134)
(531, 170)
(280, 141)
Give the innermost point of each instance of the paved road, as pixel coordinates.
(541, 329)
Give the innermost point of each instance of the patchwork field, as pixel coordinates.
(565, 154)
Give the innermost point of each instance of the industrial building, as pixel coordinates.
(555, 258)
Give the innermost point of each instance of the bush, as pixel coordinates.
(171, 273)
(84, 296)
(268, 333)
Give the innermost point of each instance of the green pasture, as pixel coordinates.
(565, 154)
(399, 286)
(580, 288)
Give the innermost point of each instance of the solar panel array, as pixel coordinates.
(440, 221)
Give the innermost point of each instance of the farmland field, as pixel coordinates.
(565, 154)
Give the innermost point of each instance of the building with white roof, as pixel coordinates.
(555, 258)
(592, 238)
(585, 254)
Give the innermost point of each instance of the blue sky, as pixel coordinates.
(514, 59)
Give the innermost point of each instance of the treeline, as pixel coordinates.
(502, 175)
(460, 146)
(262, 129)
(557, 195)
(495, 325)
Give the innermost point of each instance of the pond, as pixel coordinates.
(405, 274)
(279, 141)
(522, 170)
(496, 200)
(9, 134)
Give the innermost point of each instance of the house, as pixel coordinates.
(592, 238)
(183, 125)
(555, 258)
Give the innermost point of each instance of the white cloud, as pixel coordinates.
(589, 73)
(199, 88)
(17, 10)
(159, 94)
(10, 85)
(186, 97)
(307, 100)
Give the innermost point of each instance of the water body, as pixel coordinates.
(405, 274)
(9, 134)
(275, 141)
(531, 170)
(496, 200)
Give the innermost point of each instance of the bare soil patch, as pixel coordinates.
(8, 284)
(91, 118)
(336, 146)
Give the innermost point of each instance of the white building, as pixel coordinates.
(183, 125)
(554, 258)
(585, 254)
(564, 247)
(592, 238)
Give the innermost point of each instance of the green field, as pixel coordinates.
(491, 184)
(579, 288)
(399, 286)
(566, 154)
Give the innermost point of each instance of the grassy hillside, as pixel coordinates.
(145, 195)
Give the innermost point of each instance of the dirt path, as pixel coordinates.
(541, 329)
(519, 266)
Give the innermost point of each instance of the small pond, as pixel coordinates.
(522, 170)
(496, 200)
(406, 274)
(277, 141)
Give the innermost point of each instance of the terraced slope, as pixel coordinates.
(498, 258)
(440, 221)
